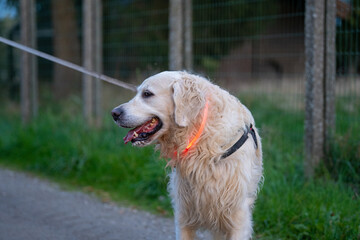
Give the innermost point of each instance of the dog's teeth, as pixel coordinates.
(135, 134)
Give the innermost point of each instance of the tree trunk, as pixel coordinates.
(67, 47)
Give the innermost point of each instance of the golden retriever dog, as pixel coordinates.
(212, 145)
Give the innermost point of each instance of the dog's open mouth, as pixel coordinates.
(143, 132)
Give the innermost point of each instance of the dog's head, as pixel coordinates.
(163, 101)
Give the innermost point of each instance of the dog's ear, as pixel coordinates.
(188, 100)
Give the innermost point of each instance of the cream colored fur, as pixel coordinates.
(208, 192)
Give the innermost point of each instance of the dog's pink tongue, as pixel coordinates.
(129, 136)
(146, 127)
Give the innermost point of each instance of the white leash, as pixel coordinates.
(69, 64)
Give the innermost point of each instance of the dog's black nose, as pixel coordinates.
(116, 113)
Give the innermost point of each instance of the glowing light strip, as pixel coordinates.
(201, 129)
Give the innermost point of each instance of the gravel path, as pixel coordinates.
(36, 209)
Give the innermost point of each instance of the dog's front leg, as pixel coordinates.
(186, 233)
(218, 236)
(183, 232)
(243, 231)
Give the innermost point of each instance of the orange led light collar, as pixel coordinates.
(201, 129)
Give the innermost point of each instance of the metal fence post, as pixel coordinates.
(92, 60)
(175, 35)
(320, 77)
(29, 103)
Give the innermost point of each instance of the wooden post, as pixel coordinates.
(175, 35)
(99, 61)
(29, 103)
(87, 61)
(92, 60)
(188, 35)
(330, 72)
(66, 45)
(320, 76)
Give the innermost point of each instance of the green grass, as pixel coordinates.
(66, 150)
(288, 207)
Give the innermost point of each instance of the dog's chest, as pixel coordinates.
(206, 198)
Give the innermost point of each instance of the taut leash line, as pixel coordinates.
(68, 64)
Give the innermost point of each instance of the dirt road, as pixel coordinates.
(36, 209)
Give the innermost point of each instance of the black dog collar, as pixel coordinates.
(241, 141)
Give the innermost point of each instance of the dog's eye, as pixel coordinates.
(147, 94)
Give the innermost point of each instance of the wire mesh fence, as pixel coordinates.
(250, 47)
(348, 65)
(135, 38)
(345, 152)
